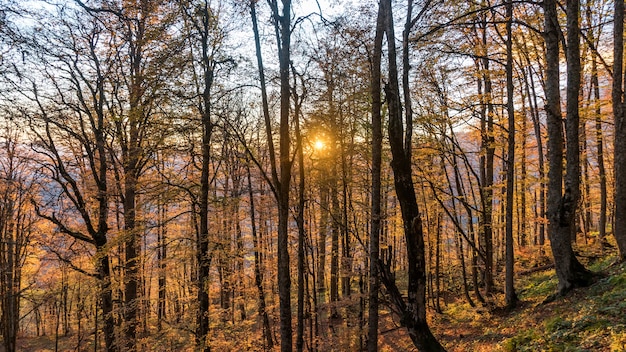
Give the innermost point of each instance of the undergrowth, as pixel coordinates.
(587, 319)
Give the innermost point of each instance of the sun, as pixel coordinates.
(319, 144)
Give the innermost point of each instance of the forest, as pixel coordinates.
(393, 175)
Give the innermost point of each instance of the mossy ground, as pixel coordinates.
(587, 319)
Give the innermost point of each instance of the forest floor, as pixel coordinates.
(586, 319)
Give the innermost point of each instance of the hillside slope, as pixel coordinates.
(587, 319)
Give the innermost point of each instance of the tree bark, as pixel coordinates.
(377, 138)
(281, 182)
(258, 274)
(413, 311)
(619, 161)
(300, 221)
(562, 203)
(486, 164)
(203, 255)
(284, 275)
(534, 111)
(510, 296)
(599, 150)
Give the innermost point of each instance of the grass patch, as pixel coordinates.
(539, 286)
(557, 323)
(524, 341)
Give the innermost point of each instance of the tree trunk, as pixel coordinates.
(413, 311)
(283, 21)
(131, 274)
(258, 274)
(510, 296)
(486, 165)
(301, 228)
(334, 257)
(321, 245)
(523, 187)
(534, 111)
(619, 161)
(562, 205)
(162, 263)
(599, 149)
(377, 138)
(438, 263)
(280, 183)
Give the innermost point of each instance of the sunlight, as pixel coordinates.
(319, 145)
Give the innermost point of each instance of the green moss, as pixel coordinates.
(540, 285)
(602, 264)
(557, 323)
(521, 342)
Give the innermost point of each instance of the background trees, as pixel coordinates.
(18, 223)
(161, 148)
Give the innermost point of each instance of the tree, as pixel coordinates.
(597, 112)
(562, 203)
(258, 274)
(17, 220)
(377, 139)
(488, 149)
(62, 127)
(619, 114)
(298, 99)
(144, 69)
(412, 311)
(205, 40)
(280, 184)
(510, 173)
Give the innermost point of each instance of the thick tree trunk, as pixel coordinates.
(510, 296)
(131, 274)
(562, 205)
(130, 140)
(10, 269)
(203, 255)
(106, 299)
(619, 161)
(283, 184)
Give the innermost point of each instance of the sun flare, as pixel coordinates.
(319, 145)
